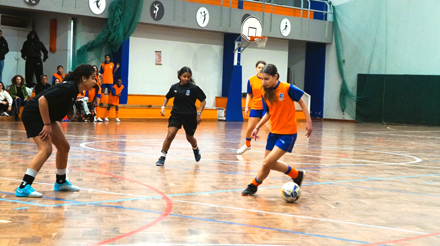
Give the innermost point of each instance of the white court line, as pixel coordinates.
(303, 217)
(101, 191)
(203, 244)
(416, 159)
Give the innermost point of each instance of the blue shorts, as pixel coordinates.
(284, 142)
(108, 86)
(255, 113)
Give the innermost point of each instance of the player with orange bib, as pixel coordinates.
(254, 98)
(279, 101)
(107, 70)
(113, 99)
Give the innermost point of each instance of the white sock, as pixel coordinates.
(61, 171)
(163, 153)
(31, 172)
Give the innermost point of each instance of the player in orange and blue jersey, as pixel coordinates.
(113, 99)
(279, 101)
(107, 70)
(254, 98)
(94, 95)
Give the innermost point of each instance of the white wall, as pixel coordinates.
(202, 51)
(276, 52)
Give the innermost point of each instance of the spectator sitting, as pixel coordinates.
(56, 81)
(19, 93)
(84, 99)
(43, 85)
(58, 75)
(5, 101)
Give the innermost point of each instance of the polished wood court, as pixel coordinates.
(365, 184)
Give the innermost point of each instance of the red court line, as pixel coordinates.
(167, 211)
(405, 239)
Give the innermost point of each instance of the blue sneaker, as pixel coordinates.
(65, 187)
(28, 191)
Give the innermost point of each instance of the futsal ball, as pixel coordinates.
(290, 192)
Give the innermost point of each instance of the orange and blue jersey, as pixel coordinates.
(113, 99)
(107, 73)
(283, 112)
(254, 88)
(81, 95)
(57, 76)
(95, 91)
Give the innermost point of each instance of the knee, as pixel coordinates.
(46, 151)
(64, 148)
(170, 137)
(267, 165)
(189, 138)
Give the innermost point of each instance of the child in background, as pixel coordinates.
(58, 75)
(107, 72)
(113, 99)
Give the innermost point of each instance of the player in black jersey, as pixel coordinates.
(184, 112)
(40, 118)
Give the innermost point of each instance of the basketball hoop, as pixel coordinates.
(260, 40)
(251, 32)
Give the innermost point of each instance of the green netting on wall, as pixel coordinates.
(360, 33)
(123, 18)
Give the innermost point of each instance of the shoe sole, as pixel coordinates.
(31, 196)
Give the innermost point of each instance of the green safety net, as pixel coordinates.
(123, 18)
(360, 41)
(387, 74)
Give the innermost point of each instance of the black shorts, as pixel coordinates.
(32, 125)
(189, 122)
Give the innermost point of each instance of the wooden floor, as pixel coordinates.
(365, 184)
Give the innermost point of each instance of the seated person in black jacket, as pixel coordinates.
(43, 85)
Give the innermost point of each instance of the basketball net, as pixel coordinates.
(260, 40)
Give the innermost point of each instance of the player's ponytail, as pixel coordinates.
(185, 70)
(269, 93)
(85, 70)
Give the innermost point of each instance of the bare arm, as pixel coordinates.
(248, 99)
(309, 127)
(44, 112)
(162, 109)
(263, 121)
(199, 113)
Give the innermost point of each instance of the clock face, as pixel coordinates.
(285, 27)
(97, 6)
(32, 2)
(157, 10)
(202, 17)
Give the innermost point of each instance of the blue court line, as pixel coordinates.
(21, 208)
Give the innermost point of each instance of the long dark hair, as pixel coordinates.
(269, 93)
(14, 79)
(85, 70)
(185, 70)
(3, 85)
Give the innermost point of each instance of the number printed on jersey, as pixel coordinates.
(187, 92)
